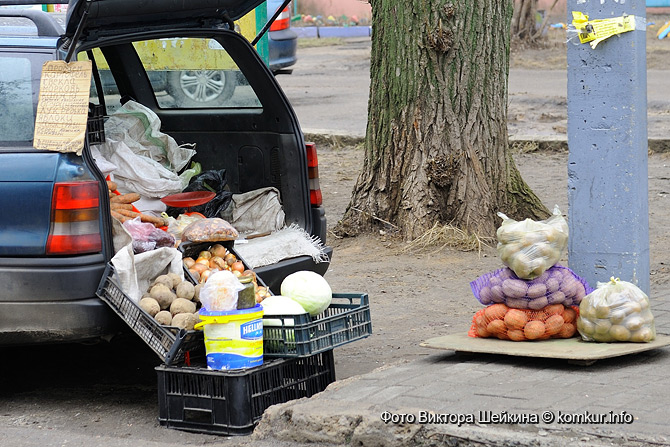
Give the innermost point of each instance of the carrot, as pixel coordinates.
(157, 221)
(126, 198)
(111, 185)
(119, 217)
(121, 206)
(127, 213)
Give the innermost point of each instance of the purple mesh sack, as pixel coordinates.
(557, 285)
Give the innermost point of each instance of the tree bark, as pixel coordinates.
(436, 147)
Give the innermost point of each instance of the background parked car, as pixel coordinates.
(283, 41)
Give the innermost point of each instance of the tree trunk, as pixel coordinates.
(524, 22)
(436, 148)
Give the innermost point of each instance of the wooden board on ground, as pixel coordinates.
(572, 349)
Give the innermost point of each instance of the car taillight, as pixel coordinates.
(313, 174)
(75, 219)
(283, 21)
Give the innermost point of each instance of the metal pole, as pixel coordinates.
(607, 137)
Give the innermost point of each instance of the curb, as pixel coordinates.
(524, 143)
(332, 31)
(320, 420)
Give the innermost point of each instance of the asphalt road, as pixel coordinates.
(330, 84)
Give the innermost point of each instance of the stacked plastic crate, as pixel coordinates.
(298, 362)
(533, 298)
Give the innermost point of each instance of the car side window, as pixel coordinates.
(194, 73)
(109, 88)
(19, 91)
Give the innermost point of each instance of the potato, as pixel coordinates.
(552, 285)
(538, 303)
(536, 290)
(515, 319)
(534, 330)
(619, 333)
(196, 296)
(514, 288)
(185, 290)
(176, 279)
(163, 279)
(603, 326)
(182, 306)
(586, 327)
(150, 306)
(185, 321)
(163, 294)
(164, 317)
(633, 322)
(485, 295)
(643, 335)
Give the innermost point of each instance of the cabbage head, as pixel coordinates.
(309, 289)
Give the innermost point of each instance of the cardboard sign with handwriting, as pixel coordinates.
(62, 109)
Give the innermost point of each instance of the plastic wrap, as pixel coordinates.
(505, 323)
(617, 311)
(557, 285)
(220, 292)
(177, 226)
(146, 236)
(209, 230)
(530, 247)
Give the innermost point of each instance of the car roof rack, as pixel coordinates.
(46, 25)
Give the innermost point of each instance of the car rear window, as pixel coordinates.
(194, 73)
(19, 89)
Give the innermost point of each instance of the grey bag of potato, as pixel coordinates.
(257, 211)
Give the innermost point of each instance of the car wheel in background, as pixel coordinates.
(201, 88)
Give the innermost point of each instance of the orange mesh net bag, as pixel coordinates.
(506, 323)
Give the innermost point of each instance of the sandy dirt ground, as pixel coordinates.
(418, 295)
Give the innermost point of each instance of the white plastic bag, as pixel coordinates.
(137, 123)
(531, 247)
(220, 292)
(137, 173)
(147, 160)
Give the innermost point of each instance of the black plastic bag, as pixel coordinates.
(214, 181)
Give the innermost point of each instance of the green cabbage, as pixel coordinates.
(309, 289)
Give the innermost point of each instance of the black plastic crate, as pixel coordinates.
(346, 319)
(95, 125)
(172, 344)
(232, 402)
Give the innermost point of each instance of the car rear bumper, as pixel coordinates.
(56, 322)
(52, 300)
(282, 49)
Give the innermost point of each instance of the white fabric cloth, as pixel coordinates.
(289, 242)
